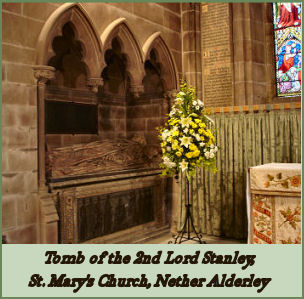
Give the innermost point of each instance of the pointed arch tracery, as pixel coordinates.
(156, 44)
(120, 30)
(85, 33)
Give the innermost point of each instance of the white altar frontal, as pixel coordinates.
(274, 204)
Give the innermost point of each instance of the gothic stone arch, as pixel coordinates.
(130, 46)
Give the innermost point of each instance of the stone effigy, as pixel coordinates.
(102, 157)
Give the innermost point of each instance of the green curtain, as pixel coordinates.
(245, 140)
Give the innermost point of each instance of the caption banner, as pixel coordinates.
(151, 270)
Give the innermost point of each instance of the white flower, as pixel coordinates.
(211, 151)
(166, 133)
(186, 130)
(175, 128)
(168, 148)
(183, 165)
(168, 162)
(197, 107)
(202, 144)
(205, 150)
(200, 103)
(215, 149)
(207, 155)
(186, 141)
(198, 137)
(181, 93)
(185, 122)
(172, 112)
(194, 103)
(211, 155)
(212, 145)
(179, 101)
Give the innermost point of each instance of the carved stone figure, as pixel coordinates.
(102, 157)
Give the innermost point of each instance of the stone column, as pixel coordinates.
(191, 45)
(48, 217)
(42, 73)
(250, 49)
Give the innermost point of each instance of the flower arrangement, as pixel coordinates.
(188, 137)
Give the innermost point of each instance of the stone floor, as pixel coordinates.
(166, 237)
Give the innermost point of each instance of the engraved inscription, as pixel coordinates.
(217, 55)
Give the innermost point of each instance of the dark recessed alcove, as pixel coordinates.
(70, 118)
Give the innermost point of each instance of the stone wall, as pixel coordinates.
(22, 24)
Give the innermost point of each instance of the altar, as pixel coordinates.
(274, 204)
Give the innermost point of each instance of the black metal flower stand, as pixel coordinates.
(185, 233)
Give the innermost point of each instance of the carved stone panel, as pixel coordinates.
(108, 213)
(67, 206)
(101, 157)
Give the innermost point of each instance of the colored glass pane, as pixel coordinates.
(288, 44)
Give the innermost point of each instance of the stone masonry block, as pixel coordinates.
(20, 30)
(156, 13)
(19, 115)
(16, 54)
(39, 11)
(174, 41)
(23, 235)
(9, 212)
(172, 21)
(259, 72)
(12, 183)
(258, 52)
(175, 7)
(152, 124)
(27, 209)
(19, 137)
(257, 11)
(20, 73)
(31, 181)
(136, 124)
(21, 160)
(14, 93)
(124, 6)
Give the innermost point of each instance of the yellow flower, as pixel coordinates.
(175, 146)
(178, 154)
(181, 149)
(175, 133)
(202, 125)
(193, 125)
(191, 131)
(197, 120)
(163, 150)
(189, 155)
(200, 131)
(196, 153)
(192, 147)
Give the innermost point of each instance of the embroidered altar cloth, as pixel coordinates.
(274, 204)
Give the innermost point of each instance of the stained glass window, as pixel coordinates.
(287, 34)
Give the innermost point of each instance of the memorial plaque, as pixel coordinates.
(217, 55)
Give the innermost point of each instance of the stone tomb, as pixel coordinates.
(103, 188)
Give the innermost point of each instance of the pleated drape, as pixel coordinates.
(245, 140)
